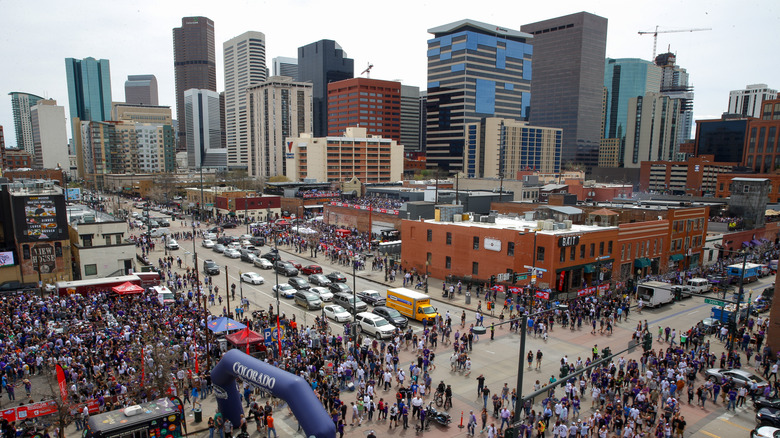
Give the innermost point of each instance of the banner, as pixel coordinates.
(542, 294)
(32, 410)
(61, 383)
(593, 289)
(498, 288)
(366, 208)
(516, 290)
(561, 280)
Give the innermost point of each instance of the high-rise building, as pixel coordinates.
(748, 102)
(50, 135)
(762, 152)
(278, 109)
(410, 118)
(284, 66)
(101, 147)
(156, 148)
(568, 79)
(355, 154)
(722, 138)
(244, 67)
(651, 129)
(475, 70)
(321, 63)
(624, 79)
(20, 106)
(497, 147)
(194, 63)
(674, 83)
(423, 119)
(141, 90)
(126, 112)
(201, 124)
(89, 89)
(2, 150)
(367, 103)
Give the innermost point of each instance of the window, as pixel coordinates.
(593, 250)
(474, 268)
(563, 255)
(87, 240)
(430, 235)
(540, 253)
(108, 240)
(428, 258)
(90, 269)
(629, 250)
(118, 239)
(582, 251)
(510, 248)
(601, 248)
(448, 262)
(572, 253)
(622, 252)
(609, 247)
(449, 238)
(476, 242)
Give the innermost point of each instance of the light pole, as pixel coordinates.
(246, 211)
(427, 265)
(354, 299)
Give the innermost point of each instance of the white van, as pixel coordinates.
(374, 325)
(159, 232)
(164, 295)
(699, 285)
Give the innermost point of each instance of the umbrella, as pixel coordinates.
(224, 324)
(127, 288)
(245, 337)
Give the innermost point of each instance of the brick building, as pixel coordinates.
(723, 189)
(762, 146)
(256, 208)
(369, 103)
(17, 159)
(696, 176)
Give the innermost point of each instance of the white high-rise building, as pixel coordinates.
(49, 135)
(748, 101)
(202, 129)
(285, 66)
(244, 67)
(281, 108)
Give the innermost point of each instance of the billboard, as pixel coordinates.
(6, 258)
(73, 194)
(40, 218)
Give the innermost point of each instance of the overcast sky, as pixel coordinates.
(136, 37)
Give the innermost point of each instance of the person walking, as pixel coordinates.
(472, 424)
(269, 422)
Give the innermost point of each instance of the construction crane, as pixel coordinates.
(367, 71)
(655, 33)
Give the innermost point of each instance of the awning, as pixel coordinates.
(313, 206)
(756, 242)
(676, 257)
(127, 288)
(745, 244)
(589, 269)
(641, 262)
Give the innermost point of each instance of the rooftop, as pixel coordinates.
(516, 223)
(477, 25)
(81, 214)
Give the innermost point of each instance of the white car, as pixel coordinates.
(287, 291)
(323, 292)
(172, 244)
(234, 245)
(210, 236)
(232, 253)
(245, 237)
(208, 243)
(765, 432)
(263, 263)
(337, 313)
(252, 277)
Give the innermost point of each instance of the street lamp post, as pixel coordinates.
(427, 265)
(354, 299)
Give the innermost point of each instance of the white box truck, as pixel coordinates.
(655, 293)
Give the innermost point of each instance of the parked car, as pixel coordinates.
(763, 402)
(263, 263)
(348, 302)
(319, 280)
(164, 223)
(741, 377)
(337, 313)
(340, 287)
(252, 277)
(172, 244)
(307, 300)
(285, 290)
(299, 283)
(374, 325)
(392, 316)
(228, 225)
(210, 267)
(323, 292)
(219, 248)
(294, 263)
(285, 268)
(336, 277)
(207, 243)
(257, 240)
(372, 297)
(214, 229)
(768, 417)
(765, 432)
(232, 253)
(210, 236)
(245, 237)
(234, 245)
(311, 269)
(272, 256)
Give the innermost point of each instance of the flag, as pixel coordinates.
(61, 383)
(197, 367)
(143, 363)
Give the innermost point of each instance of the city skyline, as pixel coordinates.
(137, 28)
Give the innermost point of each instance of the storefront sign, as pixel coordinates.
(592, 290)
(542, 294)
(566, 241)
(366, 208)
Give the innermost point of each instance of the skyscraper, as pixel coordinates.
(20, 106)
(747, 102)
(624, 79)
(321, 63)
(569, 54)
(475, 70)
(141, 90)
(50, 135)
(380, 101)
(279, 108)
(284, 66)
(244, 67)
(674, 84)
(202, 128)
(410, 118)
(652, 125)
(194, 63)
(89, 89)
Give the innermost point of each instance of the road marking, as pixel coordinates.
(691, 313)
(488, 351)
(709, 434)
(735, 425)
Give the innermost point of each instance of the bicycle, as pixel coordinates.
(438, 398)
(448, 403)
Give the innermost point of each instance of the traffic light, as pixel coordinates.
(647, 342)
(492, 280)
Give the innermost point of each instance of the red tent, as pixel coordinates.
(127, 288)
(244, 337)
(342, 232)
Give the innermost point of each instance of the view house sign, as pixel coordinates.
(566, 241)
(492, 244)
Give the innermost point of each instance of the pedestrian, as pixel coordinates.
(484, 416)
(269, 422)
(472, 423)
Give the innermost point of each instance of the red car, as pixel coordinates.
(294, 263)
(311, 269)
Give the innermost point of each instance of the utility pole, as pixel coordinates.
(733, 325)
(227, 289)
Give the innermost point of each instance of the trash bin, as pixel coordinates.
(198, 414)
(510, 432)
(468, 297)
(489, 305)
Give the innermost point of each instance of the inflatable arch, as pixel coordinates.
(309, 411)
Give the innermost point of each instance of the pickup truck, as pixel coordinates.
(12, 287)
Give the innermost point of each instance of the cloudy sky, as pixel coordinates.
(136, 36)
